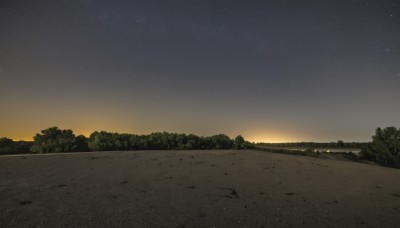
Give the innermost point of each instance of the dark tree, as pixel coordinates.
(54, 140)
(101, 141)
(81, 143)
(239, 142)
(22, 147)
(385, 147)
(6, 146)
(340, 143)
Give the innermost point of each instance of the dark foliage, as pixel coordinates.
(106, 141)
(54, 140)
(385, 147)
(239, 142)
(8, 146)
(81, 143)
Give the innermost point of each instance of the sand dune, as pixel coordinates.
(195, 189)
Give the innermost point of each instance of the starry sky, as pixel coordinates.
(273, 71)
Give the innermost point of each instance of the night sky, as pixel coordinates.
(273, 71)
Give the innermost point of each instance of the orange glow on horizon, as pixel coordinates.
(278, 137)
(271, 140)
(22, 139)
(251, 136)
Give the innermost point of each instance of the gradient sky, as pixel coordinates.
(273, 71)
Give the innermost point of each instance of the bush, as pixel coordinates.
(385, 147)
(8, 146)
(55, 140)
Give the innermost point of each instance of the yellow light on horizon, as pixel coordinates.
(270, 138)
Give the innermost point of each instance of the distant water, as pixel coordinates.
(331, 150)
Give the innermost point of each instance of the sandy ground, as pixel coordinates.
(195, 189)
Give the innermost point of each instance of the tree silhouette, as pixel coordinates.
(239, 142)
(54, 140)
(385, 147)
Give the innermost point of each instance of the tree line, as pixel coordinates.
(384, 148)
(55, 140)
(8, 146)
